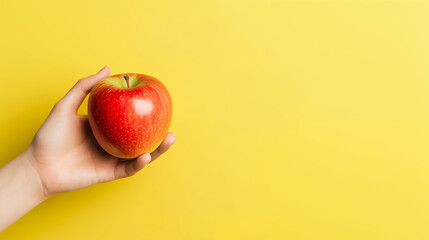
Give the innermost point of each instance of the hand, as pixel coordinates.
(65, 154)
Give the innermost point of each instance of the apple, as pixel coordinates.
(129, 114)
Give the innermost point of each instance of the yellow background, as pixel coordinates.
(295, 119)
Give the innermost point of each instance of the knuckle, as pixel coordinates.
(59, 107)
(80, 85)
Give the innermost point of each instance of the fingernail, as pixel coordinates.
(147, 158)
(174, 140)
(102, 69)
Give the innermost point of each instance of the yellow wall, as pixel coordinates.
(295, 119)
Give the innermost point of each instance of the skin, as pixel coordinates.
(64, 156)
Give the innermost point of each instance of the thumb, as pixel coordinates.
(75, 96)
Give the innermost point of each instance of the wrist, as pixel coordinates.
(25, 163)
(21, 189)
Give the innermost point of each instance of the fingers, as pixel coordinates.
(75, 96)
(169, 140)
(131, 167)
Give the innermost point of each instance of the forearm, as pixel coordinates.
(20, 189)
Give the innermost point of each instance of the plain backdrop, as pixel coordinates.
(294, 119)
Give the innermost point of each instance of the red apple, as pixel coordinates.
(129, 114)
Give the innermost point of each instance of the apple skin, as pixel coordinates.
(129, 121)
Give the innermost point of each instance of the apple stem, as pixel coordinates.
(127, 79)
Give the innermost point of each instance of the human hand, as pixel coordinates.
(65, 154)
